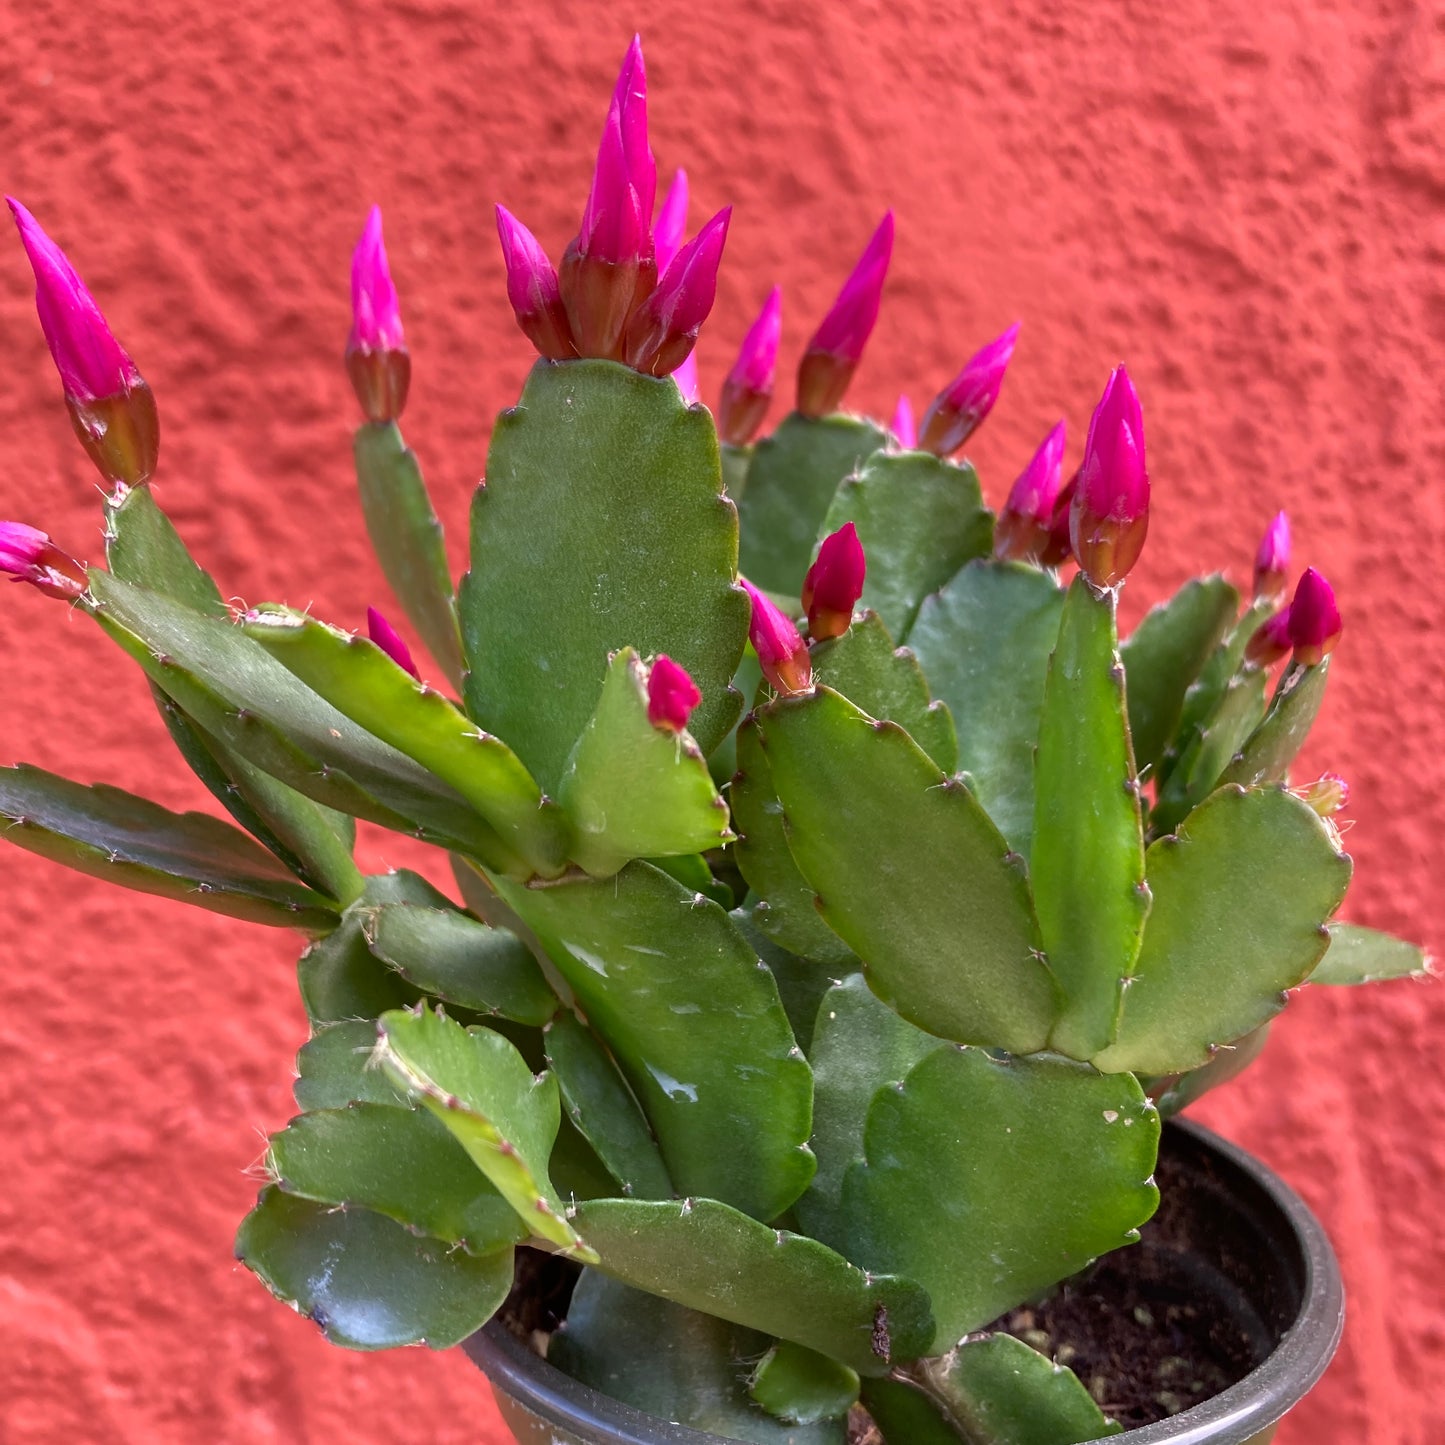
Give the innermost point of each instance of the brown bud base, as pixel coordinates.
(822, 381)
(740, 413)
(120, 434)
(1105, 548)
(380, 379)
(599, 297)
(1018, 538)
(945, 428)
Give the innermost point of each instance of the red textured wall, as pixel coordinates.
(1243, 200)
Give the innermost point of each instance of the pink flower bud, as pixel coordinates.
(834, 584)
(629, 100)
(685, 375)
(832, 356)
(671, 224)
(959, 409)
(1058, 549)
(663, 331)
(533, 291)
(386, 637)
(111, 408)
(671, 695)
(1271, 562)
(1110, 515)
(28, 555)
(377, 360)
(615, 224)
(1314, 619)
(1026, 521)
(1327, 795)
(782, 653)
(749, 385)
(1271, 641)
(904, 428)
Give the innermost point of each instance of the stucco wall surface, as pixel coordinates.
(1244, 201)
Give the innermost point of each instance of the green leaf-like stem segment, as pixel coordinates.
(408, 540)
(1088, 849)
(711, 1257)
(1365, 955)
(1275, 743)
(791, 482)
(633, 790)
(602, 524)
(190, 857)
(801, 1386)
(944, 927)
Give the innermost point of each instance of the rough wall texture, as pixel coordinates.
(1243, 200)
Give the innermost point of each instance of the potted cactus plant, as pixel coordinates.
(839, 905)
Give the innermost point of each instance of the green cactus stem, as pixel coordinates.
(408, 540)
(791, 483)
(1275, 743)
(1365, 955)
(801, 1386)
(143, 546)
(1088, 849)
(920, 519)
(336, 1067)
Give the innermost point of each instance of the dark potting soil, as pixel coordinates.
(1151, 1330)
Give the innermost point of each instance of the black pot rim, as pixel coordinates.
(1232, 1417)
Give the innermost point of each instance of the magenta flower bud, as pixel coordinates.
(111, 408)
(1271, 562)
(959, 409)
(377, 360)
(904, 427)
(533, 290)
(629, 101)
(615, 225)
(782, 653)
(1110, 515)
(685, 375)
(1314, 619)
(1270, 642)
(386, 637)
(1327, 795)
(671, 695)
(1058, 549)
(1026, 522)
(663, 330)
(749, 385)
(832, 356)
(834, 584)
(28, 555)
(671, 224)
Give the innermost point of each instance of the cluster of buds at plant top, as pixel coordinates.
(671, 695)
(1271, 562)
(1310, 626)
(834, 584)
(28, 555)
(110, 405)
(833, 355)
(377, 360)
(1026, 525)
(386, 637)
(1109, 512)
(960, 408)
(749, 386)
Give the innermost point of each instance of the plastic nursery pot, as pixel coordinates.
(1230, 1236)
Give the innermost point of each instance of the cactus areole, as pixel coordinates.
(825, 933)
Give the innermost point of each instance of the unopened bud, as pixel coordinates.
(834, 584)
(749, 385)
(377, 360)
(1327, 795)
(386, 637)
(1270, 641)
(1271, 562)
(28, 555)
(663, 330)
(671, 695)
(960, 408)
(904, 427)
(1025, 524)
(1314, 619)
(533, 291)
(782, 653)
(1058, 549)
(1110, 515)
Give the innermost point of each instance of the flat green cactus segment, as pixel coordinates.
(1173, 1093)
(602, 524)
(604, 1110)
(1241, 898)
(240, 695)
(710, 1257)
(408, 540)
(988, 1179)
(984, 643)
(785, 911)
(399, 1162)
(859, 1045)
(632, 790)
(335, 1068)
(1213, 749)
(1163, 657)
(997, 1391)
(803, 1387)
(483, 1090)
(694, 1020)
(1088, 852)
(1365, 955)
(576, 1171)
(736, 462)
(143, 546)
(887, 682)
(946, 933)
(1271, 748)
(801, 982)
(794, 475)
(920, 519)
(193, 858)
(368, 1282)
(905, 1415)
(672, 1362)
(454, 958)
(692, 871)
(358, 679)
